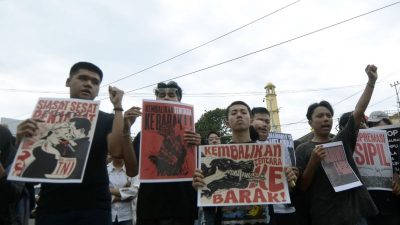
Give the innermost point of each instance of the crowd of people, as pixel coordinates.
(110, 192)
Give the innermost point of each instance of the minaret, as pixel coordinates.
(272, 106)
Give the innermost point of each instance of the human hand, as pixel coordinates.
(116, 96)
(372, 73)
(396, 184)
(292, 174)
(318, 154)
(191, 138)
(130, 116)
(27, 128)
(198, 179)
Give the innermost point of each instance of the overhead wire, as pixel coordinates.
(268, 47)
(201, 45)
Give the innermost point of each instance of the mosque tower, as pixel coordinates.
(272, 106)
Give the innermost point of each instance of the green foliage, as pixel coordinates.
(213, 120)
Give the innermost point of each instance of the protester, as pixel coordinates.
(387, 202)
(328, 207)
(170, 203)
(207, 214)
(122, 193)
(283, 213)
(10, 192)
(213, 138)
(89, 201)
(261, 122)
(238, 116)
(378, 118)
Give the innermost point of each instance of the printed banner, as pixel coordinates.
(164, 157)
(243, 174)
(337, 168)
(372, 157)
(393, 135)
(59, 150)
(287, 141)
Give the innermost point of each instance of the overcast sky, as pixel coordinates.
(40, 40)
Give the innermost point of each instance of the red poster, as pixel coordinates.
(164, 157)
(243, 174)
(58, 152)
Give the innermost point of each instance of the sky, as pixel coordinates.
(40, 40)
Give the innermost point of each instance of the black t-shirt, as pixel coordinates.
(157, 201)
(327, 206)
(93, 192)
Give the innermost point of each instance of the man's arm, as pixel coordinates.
(363, 102)
(128, 151)
(114, 138)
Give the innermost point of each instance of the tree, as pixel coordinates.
(213, 120)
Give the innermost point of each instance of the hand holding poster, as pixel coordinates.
(164, 156)
(372, 157)
(243, 174)
(58, 152)
(337, 168)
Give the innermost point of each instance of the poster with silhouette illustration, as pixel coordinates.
(337, 168)
(164, 156)
(58, 152)
(373, 159)
(243, 174)
(287, 141)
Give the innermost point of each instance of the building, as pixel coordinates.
(272, 106)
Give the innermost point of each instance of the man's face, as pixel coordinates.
(213, 139)
(167, 94)
(238, 118)
(262, 123)
(77, 133)
(84, 84)
(321, 120)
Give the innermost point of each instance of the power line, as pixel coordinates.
(269, 47)
(376, 103)
(201, 45)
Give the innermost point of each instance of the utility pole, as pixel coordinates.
(397, 94)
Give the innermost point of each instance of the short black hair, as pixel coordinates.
(344, 118)
(260, 110)
(313, 106)
(82, 123)
(171, 84)
(237, 103)
(87, 66)
(213, 132)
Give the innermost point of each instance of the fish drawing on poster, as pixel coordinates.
(242, 174)
(58, 152)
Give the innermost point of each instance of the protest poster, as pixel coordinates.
(59, 150)
(164, 157)
(337, 168)
(393, 135)
(243, 174)
(373, 159)
(287, 141)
